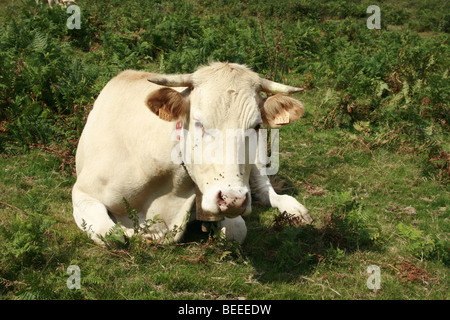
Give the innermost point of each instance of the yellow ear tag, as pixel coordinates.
(164, 113)
(282, 117)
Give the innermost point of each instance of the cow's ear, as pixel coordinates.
(280, 109)
(168, 104)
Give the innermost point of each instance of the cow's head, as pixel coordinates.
(222, 101)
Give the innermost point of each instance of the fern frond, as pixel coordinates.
(39, 42)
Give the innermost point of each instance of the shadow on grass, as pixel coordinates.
(285, 250)
(281, 255)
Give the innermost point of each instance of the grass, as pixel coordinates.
(359, 201)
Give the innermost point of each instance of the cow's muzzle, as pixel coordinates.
(232, 203)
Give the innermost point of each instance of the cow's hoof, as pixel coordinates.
(292, 206)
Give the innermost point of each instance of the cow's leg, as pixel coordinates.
(92, 216)
(171, 224)
(156, 232)
(233, 229)
(264, 192)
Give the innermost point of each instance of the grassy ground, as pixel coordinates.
(370, 208)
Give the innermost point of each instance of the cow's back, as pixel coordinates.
(123, 145)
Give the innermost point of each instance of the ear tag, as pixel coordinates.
(164, 113)
(179, 127)
(282, 117)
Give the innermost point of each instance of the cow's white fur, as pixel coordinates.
(125, 152)
(233, 228)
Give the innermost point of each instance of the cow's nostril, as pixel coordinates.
(232, 202)
(220, 197)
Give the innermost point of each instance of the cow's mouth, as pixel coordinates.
(228, 204)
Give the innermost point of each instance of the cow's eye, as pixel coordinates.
(198, 124)
(257, 127)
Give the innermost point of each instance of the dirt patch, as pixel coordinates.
(409, 272)
(314, 190)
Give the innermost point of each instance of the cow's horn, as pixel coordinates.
(275, 87)
(172, 80)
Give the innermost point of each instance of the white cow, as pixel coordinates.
(126, 150)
